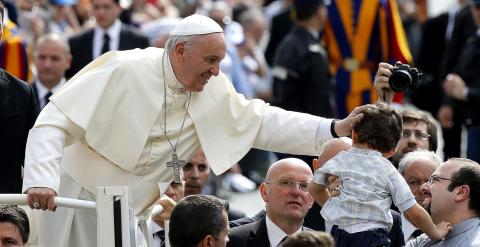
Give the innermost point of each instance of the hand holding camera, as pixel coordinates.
(390, 79)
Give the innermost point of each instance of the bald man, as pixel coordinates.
(52, 59)
(287, 201)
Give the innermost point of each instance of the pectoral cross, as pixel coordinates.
(176, 164)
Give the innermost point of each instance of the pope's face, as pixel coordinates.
(200, 60)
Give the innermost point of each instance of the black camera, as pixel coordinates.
(404, 77)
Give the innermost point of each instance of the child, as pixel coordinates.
(369, 183)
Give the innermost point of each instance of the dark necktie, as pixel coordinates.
(282, 241)
(47, 96)
(416, 233)
(161, 235)
(106, 43)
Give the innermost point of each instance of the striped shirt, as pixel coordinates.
(369, 184)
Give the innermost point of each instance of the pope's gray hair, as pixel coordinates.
(418, 155)
(173, 40)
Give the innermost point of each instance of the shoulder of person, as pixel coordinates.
(10, 82)
(243, 231)
(419, 241)
(79, 36)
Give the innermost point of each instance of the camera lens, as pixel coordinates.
(400, 80)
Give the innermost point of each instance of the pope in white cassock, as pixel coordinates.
(126, 117)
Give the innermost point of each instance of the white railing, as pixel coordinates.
(116, 224)
(21, 199)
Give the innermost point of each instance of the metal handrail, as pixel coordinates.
(21, 199)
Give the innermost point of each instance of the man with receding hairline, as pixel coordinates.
(416, 167)
(453, 195)
(52, 58)
(287, 201)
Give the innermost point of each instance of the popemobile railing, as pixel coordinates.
(116, 224)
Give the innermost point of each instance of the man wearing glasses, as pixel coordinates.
(453, 195)
(416, 167)
(287, 200)
(419, 133)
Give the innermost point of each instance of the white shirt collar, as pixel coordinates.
(172, 81)
(42, 90)
(407, 227)
(113, 32)
(156, 227)
(275, 234)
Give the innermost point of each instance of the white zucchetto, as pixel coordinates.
(196, 24)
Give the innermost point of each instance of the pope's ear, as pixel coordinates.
(179, 49)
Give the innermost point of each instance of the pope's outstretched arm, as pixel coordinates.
(43, 155)
(277, 133)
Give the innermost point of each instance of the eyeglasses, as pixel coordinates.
(436, 178)
(288, 184)
(420, 135)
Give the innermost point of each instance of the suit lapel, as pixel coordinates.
(258, 235)
(124, 39)
(35, 91)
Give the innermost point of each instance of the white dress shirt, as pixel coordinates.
(407, 228)
(156, 228)
(275, 234)
(114, 34)
(43, 91)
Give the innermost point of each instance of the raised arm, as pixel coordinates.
(420, 218)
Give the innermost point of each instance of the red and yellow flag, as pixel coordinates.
(359, 35)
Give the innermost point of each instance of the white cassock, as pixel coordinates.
(106, 127)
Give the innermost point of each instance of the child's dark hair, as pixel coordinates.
(380, 128)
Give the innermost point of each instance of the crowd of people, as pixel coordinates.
(293, 94)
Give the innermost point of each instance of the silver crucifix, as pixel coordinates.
(176, 164)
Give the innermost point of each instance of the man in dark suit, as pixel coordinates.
(285, 192)
(52, 58)
(18, 111)
(432, 46)
(109, 34)
(463, 87)
(331, 148)
(301, 79)
(463, 28)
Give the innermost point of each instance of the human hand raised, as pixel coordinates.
(168, 204)
(344, 127)
(442, 229)
(41, 198)
(454, 86)
(445, 116)
(385, 93)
